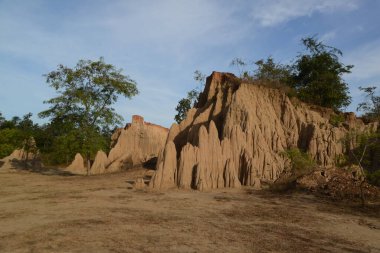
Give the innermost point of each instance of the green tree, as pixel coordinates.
(269, 70)
(371, 106)
(16, 133)
(191, 99)
(2, 119)
(369, 143)
(241, 66)
(317, 75)
(86, 94)
(10, 139)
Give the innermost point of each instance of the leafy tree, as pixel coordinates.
(2, 119)
(269, 70)
(317, 75)
(369, 143)
(185, 104)
(200, 78)
(370, 107)
(241, 65)
(191, 99)
(10, 139)
(16, 133)
(86, 94)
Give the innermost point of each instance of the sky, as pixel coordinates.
(160, 43)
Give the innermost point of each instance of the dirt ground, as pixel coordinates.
(62, 213)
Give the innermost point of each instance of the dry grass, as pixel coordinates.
(53, 213)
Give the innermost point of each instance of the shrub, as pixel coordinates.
(336, 119)
(373, 178)
(301, 164)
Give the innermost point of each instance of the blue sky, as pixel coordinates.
(160, 43)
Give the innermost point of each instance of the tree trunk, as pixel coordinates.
(88, 163)
(362, 196)
(26, 162)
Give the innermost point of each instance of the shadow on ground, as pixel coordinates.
(38, 168)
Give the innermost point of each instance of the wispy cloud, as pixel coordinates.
(157, 43)
(327, 37)
(274, 12)
(366, 61)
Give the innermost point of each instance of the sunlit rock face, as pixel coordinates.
(77, 165)
(138, 143)
(237, 135)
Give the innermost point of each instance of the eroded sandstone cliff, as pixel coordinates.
(237, 135)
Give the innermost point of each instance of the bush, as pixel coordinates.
(336, 119)
(10, 139)
(373, 178)
(301, 164)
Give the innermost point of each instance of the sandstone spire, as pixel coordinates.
(77, 166)
(100, 163)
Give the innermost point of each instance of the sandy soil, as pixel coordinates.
(60, 213)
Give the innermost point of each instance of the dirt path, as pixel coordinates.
(55, 213)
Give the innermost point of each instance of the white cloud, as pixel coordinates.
(366, 71)
(366, 61)
(328, 36)
(158, 43)
(274, 12)
(157, 40)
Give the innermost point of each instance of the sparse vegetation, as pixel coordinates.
(337, 119)
(373, 177)
(371, 106)
(300, 164)
(369, 143)
(15, 133)
(317, 75)
(365, 155)
(191, 100)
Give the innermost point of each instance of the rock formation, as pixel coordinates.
(100, 163)
(77, 166)
(20, 159)
(237, 135)
(138, 143)
(139, 183)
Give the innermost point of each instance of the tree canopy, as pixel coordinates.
(317, 75)
(16, 133)
(314, 76)
(269, 70)
(371, 106)
(83, 108)
(191, 99)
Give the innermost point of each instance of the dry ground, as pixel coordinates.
(60, 213)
